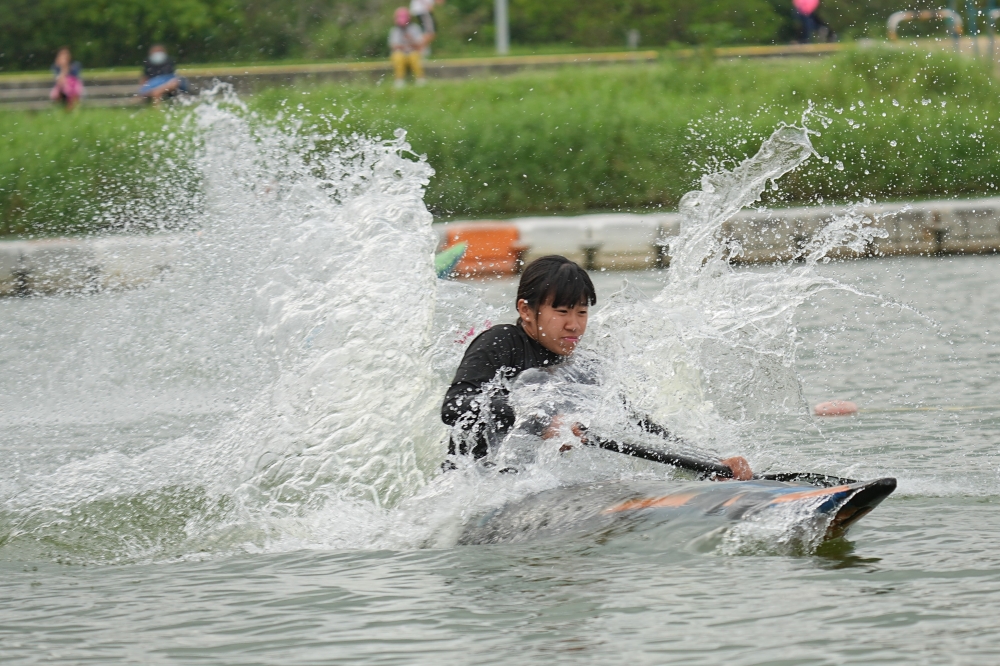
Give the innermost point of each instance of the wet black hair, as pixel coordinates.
(555, 281)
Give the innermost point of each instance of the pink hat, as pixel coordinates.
(807, 7)
(402, 16)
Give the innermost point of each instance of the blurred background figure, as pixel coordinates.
(406, 40)
(159, 79)
(68, 88)
(421, 10)
(805, 12)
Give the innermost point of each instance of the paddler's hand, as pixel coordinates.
(740, 466)
(553, 428)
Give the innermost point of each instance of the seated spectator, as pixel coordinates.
(159, 79)
(406, 40)
(68, 88)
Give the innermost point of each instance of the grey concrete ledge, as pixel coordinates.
(633, 241)
(927, 228)
(71, 265)
(609, 241)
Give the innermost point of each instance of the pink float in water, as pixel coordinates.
(835, 408)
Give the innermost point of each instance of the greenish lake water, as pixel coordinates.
(109, 402)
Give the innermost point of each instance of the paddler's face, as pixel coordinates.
(557, 329)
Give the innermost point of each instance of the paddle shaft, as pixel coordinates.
(674, 459)
(717, 470)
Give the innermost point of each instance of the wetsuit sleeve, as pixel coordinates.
(489, 355)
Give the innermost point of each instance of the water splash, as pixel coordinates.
(345, 298)
(311, 282)
(714, 350)
(321, 242)
(793, 529)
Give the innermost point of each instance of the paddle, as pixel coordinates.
(705, 467)
(674, 459)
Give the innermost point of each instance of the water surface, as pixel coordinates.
(917, 581)
(239, 464)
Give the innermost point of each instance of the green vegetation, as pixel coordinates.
(898, 124)
(639, 137)
(91, 170)
(104, 33)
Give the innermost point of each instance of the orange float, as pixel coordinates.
(835, 408)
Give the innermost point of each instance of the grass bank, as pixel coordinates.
(893, 125)
(91, 171)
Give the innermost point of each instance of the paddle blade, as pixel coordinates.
(813, 479)
(446, 260)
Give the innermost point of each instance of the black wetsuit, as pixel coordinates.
(501, 353)
(152, 70)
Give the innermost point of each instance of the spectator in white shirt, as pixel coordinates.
(421, 9)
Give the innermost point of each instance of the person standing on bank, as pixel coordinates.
(422, 10)
(805, 12)
(406, 40)
(553, 301)
(68, 86)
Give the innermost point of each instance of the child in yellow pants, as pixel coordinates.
(401, 62)
(406, 40)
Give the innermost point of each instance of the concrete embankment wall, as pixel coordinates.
(632, 241)
(63, 265)
(612, 241)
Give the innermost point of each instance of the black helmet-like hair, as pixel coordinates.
(555, 281)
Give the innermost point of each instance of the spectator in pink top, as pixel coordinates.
(68, 88)
(805, 12)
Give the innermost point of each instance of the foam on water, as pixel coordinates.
(313, 270)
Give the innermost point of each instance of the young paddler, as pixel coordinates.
(553, 302)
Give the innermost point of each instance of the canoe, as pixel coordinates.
(601, 505)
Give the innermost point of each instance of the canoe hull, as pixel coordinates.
(600, 506)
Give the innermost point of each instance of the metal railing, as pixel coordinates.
(970, 26)
(992, 15)
(950, 15)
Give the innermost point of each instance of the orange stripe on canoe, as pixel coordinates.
(732, 500)
(652, 503)
(791, 497)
